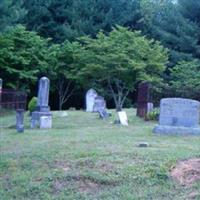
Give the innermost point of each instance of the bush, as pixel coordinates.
(32, 104)
(153, 115)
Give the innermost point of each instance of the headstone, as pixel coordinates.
(90, 97)
(100, 107)
(20, 120)
(149, 107)
(144, 99)
(143, 144)
(43, 95)
(42, 108)
(179, 116)
(45, 122)
(123, 118)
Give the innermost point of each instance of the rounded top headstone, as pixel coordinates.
(44, 78)
(91, 91)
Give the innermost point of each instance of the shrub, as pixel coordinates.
(153, 115)
(32, 104)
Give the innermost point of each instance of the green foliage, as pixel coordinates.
(164, 22)
(190, 9)
(186, 79)
(61, 59)
(32, 104)
(153, 115)
(119, 60)
(11, 13)
(69, 19)
(23, 56)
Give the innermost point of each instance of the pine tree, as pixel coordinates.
(69, 19)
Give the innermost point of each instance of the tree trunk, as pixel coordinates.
(119, 94)
(118, 107)
(60, 104)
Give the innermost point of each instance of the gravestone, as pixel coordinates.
(42, 108)
(90, 97)
(179, 116)
(20, 120)
(149, 107)
(144, 104)
(123, 118)
(100, 107)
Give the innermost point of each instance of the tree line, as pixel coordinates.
(110, 45)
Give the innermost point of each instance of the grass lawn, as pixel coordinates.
(84, 157)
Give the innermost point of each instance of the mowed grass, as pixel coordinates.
(84, 157)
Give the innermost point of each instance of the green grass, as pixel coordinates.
(84, 157)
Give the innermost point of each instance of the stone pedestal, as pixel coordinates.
(45, 122)
(20, 120)
(36, 116)
(176, 130)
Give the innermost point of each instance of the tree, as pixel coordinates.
(163, 21)
(186, 79)
(11, 13)
(61, 58)
(190, 9)
(119, 60)
(69, 19)
(23, 57)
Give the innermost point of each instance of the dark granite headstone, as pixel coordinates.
(20, 120)
(144, 98)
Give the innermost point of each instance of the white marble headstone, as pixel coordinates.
(123, 118)
(90, 98)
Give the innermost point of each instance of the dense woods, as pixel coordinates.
(110, 45)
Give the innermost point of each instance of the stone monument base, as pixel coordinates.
(176, 130)
(35, 118)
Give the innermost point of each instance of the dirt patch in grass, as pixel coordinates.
(81, 184)
(187, 172)
(60, 164)
(88, 186)
(106, 167)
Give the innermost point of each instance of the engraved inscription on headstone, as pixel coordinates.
(178, 116)
(90, 97)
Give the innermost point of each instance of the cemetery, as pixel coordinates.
(100, 100)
